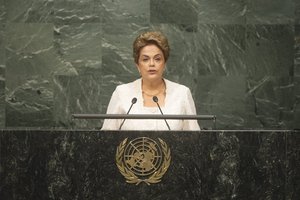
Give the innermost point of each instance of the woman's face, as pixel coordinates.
(151, 63)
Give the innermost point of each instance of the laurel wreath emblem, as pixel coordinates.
(133, 178)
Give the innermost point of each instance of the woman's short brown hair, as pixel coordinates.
(147, 38)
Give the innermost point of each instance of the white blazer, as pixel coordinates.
(178, 101)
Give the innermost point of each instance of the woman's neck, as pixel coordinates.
(153, 85)
(149, 90)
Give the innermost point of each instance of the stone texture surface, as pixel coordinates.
(239, 57)
(60, 164)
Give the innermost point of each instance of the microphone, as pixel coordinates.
(155, 99)
(133, 101)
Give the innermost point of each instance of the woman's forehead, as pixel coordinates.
(150, 50)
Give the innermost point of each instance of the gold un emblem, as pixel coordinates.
(143, 160)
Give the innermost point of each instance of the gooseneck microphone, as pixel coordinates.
(155, 99)
(133, 101)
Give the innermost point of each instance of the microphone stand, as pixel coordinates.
(155, 99)
(133, 101)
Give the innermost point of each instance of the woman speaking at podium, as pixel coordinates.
(152, 93)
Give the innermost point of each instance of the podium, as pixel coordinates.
(217, 164)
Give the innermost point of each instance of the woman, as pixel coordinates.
(151, 52)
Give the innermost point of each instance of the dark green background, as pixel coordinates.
(241, 58)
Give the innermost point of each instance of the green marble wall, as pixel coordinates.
(241, 58)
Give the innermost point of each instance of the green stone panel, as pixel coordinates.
(270, 11)
(117, 59)
(78, 94)
(78, 46)
(271, 89)
(77, 11)
(297, 12)
(2, 46)
(297, 77)
(126, 11)
(29, 64)
(30, 105)
(297, 51)
(220, 50)
(271, 102)
(2, 66)
(3, 14)
(174, 11)
(29, 53)
(222, 12)
(269, 50)
(29, 11)
(223, 96)
(2, 97)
